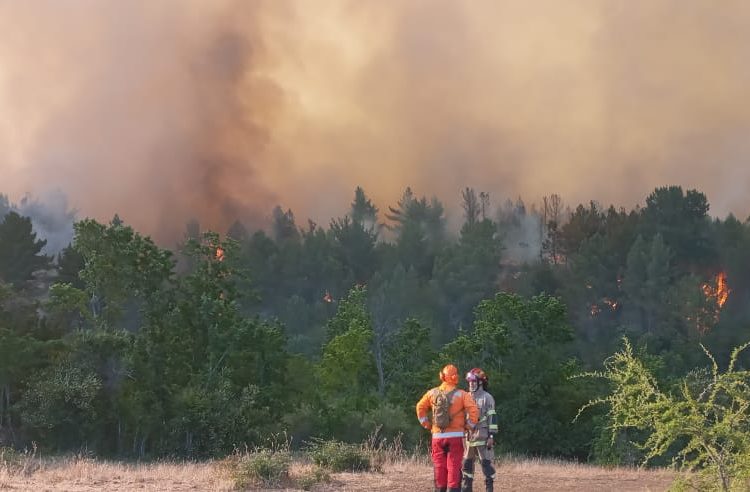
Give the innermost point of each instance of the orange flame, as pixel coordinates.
(594, 310)
(722, 289)
(219, 254)
(613, 305)
(720, 292)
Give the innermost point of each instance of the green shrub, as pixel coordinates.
(705, 422)
(392, 422)
(338, 456)
(262, 468)
(315, 476)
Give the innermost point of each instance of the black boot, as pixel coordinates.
(489, 475)
(467, 470)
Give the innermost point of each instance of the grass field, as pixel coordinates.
(83, 474)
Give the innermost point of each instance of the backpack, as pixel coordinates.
(441, 416)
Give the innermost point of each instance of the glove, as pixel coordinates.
(490, 442)
(426, 425)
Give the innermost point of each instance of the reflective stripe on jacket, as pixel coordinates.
(487, 418)
(462, 405)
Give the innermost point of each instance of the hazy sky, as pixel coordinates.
(171, 109)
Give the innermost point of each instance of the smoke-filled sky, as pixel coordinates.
(171, 109)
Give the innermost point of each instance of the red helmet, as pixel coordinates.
(477, 375)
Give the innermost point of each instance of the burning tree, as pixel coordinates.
(719, 291)
(706, 314)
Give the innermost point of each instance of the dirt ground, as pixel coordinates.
(407, 475)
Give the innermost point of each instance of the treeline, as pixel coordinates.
(123, 348)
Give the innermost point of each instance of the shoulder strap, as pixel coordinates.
(450, 397)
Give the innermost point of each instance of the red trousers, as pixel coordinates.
(447, 453)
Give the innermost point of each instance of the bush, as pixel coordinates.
(392, 422)
(304, 422)
(705, 422)
(315, 476)
(338, 456)
(262, 468)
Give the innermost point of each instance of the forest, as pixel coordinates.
(123, 348)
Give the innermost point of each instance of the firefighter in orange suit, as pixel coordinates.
(453, 412)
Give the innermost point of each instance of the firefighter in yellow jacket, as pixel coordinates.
(453, 412)
(481, 440)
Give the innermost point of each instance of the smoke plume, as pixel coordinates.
(164, 111)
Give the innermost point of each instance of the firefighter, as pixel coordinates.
(453, 411)
(480, 441)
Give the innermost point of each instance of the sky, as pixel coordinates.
(163, 111)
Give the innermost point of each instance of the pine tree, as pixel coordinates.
(69, 265)
(420, 225)
(5, 206)
(363, 211)
(647, 279)
(19, 250)
(238, 232)
(472, 207)
(284, 227)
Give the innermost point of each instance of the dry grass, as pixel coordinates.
(512, 474)
(79, 475)
(405, 474)
(537, 474)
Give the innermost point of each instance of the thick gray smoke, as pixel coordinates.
(147, 109)
(51, 218)
(163, 111)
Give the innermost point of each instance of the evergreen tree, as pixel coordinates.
(354, 246)
(238, 232)
(420, 226)
(204, 378)
(69, 265)
(682, 220)
(284, 227)
(120, 265)
(20, 251)
(409, 362)
(472, 207)
(647, 281)
(583, 224)
(5, 206)
(467, 272)
(363, 212)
